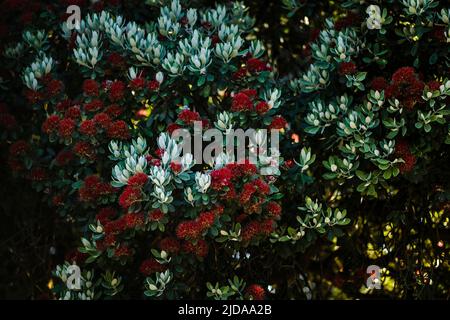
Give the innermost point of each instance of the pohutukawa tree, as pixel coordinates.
(88, 116)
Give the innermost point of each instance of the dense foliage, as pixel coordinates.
(358, 97)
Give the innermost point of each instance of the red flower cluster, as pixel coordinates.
(118, 130)
(105, 215)
(122, 251)
(116, 91)
(256, 291)
(347, 68)
(403, 151)
(151, 266)
(153, 85)
(94, 188)
(257, 228)
(379, 83)
(93, 106)
(138, 180)
(170, 245)
(133, 191)
(137, 83)
(241, 102)
(66, 128)
(221, 178)
(88, 128)
(172, 127)
(84, 150)
(129, 197)
(188, 117)
(91, 87)
(193, 229)
(200, 248)
(175, 167)
(406, 87)
(252, 66)
(73, 113)
(274, 209)
(156, 215)
(278, 122)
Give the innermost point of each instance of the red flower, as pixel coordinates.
(54, 87)
(19, 148)
(247, 168)
(138, 180)
(175, 167)
(247, 192)
(137, 83)
(206, 220)
(116, 91)
(433, 85)
(256, 292)
(262, 107)
(406, 87)
(84, 150)
(66, 128)
(188, 230)
(274, 209)
(118, 130)
(241, 102)
(129, 196)
(403, 151)
(172, 127)
(50, 125)
(122, 251)
(102, 120)
(63, 105)
(156, 215)
(404, 74)
(73, 113)
(93, 106)
(88, 192)
(200, 249)
(105, 215)
(153, 85)
(262, 186)
(256, 65)
(114, 110)
(33, 96)
(91, 87)
(221, 178)
(88, 128)
(250, 230)
(133, 220)
(378, 83)
(188, 116)
(347, 68)
(151, 266)
(170, 245)
(278, 122)
(241, 73)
